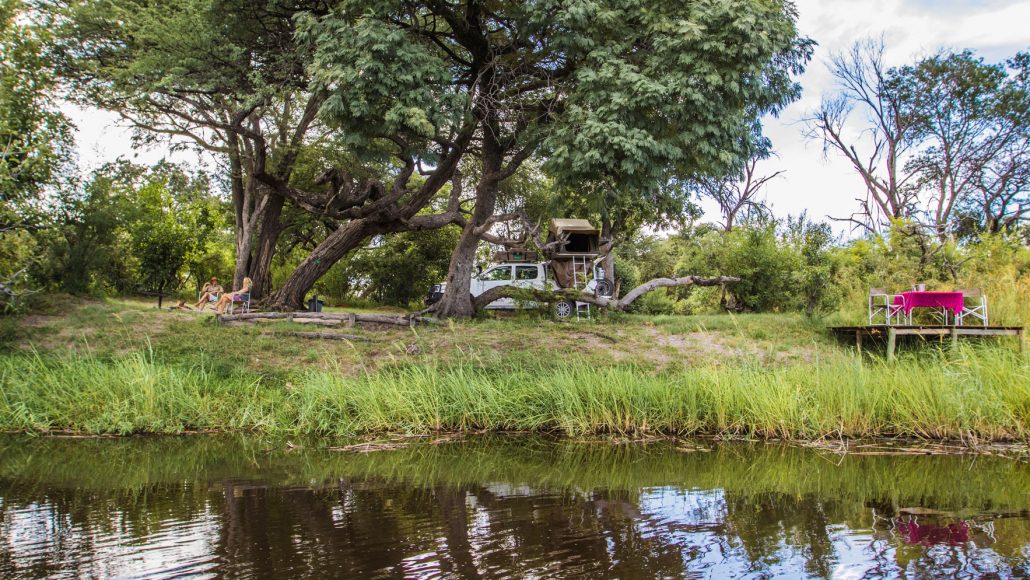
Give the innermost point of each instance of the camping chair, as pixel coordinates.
(882, 303)
(242, 299)
(974, 304)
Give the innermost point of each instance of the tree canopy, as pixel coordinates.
(35, 137)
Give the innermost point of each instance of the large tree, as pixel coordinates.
(632, 92)
(235, 78)
(213, 74)
(878, 145)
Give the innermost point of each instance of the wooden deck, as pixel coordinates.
(859, 333)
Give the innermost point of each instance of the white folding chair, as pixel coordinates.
(244, 303)
(974, 304)
(881, 303)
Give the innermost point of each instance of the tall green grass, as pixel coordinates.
(975, 393)
(131, 394)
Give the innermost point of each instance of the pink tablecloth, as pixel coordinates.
(950, 300)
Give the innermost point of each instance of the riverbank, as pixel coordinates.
(133, 370)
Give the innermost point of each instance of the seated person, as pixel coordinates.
(234, 296)
(209, 293)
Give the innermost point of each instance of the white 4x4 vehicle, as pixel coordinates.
(523, 274)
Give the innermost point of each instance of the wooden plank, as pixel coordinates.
(989, 331)
(922, 331)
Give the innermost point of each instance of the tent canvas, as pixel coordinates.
(582, 238)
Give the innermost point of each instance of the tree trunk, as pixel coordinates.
(552, 296)
(242, 202)
(271, 228)
(457, 297)
(244, 243)
(608, 263)
(331, 250)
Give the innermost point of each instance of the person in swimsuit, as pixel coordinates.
(234, 296)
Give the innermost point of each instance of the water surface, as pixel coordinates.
(225, 506)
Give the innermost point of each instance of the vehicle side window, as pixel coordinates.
(498, 274)
(526, 272)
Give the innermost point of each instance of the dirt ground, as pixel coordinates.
(118, 327)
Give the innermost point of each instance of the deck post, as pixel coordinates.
(858, 340)
(892, 340)
(1021, 337)
(954, 338)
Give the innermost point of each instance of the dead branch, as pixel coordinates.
(552, 296)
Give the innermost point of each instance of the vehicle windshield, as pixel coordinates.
(500, 273)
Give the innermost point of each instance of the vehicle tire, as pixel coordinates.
(564, 309)
(604, 288)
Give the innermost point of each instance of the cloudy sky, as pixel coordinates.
(822, 186)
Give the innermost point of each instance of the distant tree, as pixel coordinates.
(737, 192)
(399, 269)
(132, 228)
(940, 142)
(886, 133)
(974, 120)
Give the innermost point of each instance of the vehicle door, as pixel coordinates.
(496, 276)
(528, 276)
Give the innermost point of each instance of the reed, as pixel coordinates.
(975, 393)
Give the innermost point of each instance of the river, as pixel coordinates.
(246, 507)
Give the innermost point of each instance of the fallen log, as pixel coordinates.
(552, 296)
(318, 322)
(325, 336)
(349, 317)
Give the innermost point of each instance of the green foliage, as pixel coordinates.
(398, 270)
(981, 393)
(136, 228)
(662, 86)
(973, 119)
(635, 94)
(35, 137)
(999, 264)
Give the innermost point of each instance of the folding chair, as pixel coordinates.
(974, 304)
(243, 300)
(882, 303)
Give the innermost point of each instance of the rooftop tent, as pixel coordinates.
(582, 237)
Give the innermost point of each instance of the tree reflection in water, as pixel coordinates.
(235, 507)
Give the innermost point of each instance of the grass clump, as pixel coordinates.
(975, 394)
(972, 394)
(126, 394)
